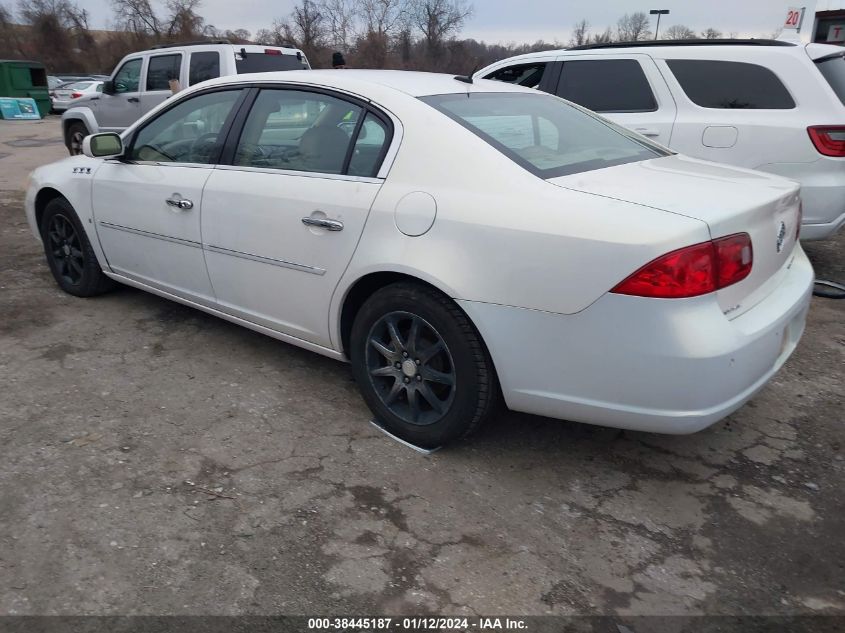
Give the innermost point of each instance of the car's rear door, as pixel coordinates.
(281, 221)
(626, 88)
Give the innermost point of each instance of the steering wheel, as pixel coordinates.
(203, 144)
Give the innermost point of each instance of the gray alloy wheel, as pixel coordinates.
(421, 365)
(410, 368)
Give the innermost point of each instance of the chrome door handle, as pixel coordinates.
(184, 205)
(329, 225)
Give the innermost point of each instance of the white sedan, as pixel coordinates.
(68, 95)
(459, 243)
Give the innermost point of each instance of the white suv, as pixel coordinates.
(770, 105)
(142, 80)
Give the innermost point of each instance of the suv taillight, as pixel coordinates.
(693, 271)
(828, 139)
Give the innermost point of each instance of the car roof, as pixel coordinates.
(415, 84)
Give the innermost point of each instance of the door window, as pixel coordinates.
(612, 85)
(204, 66)
(369, 147)
(303, 131)
(161, 70)
(528, 75)
(128, 77)
(190, 132)
(729, 85)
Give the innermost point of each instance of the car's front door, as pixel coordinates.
(119, 110)
(147, 206)
(281, 222)
(627, 89)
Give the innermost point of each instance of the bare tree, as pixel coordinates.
(711, 34)
(633, 27)
(439, 19)
(679, 32)
(580, 34)
(137, 16)
(340, 22)
(383, 17)
(184, 23)
(603, 38)
(308, 25)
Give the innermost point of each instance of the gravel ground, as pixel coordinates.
(156, 460)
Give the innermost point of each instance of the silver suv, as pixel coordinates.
(141, 81)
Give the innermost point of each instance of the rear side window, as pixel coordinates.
(528, 75)
(161, 70)
(204, 66)
(833, 70)
(612, 85)
(266, 62)
(730, 85)
(542, 134)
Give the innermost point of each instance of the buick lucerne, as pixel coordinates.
(458, 243)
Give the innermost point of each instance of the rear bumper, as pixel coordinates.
(822, 191)
(665, 366)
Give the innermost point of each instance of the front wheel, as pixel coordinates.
(421, 366)
(69, 254)
(76, 133)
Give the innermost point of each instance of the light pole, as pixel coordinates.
(658, 13)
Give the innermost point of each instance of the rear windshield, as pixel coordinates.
(264, 63)
(546, 135)
(833, 69)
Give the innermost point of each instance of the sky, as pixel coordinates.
(508, 21)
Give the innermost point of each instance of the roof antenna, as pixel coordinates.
(467, 79)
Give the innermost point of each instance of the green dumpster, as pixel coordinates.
(25, 79)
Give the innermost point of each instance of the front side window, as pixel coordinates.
(204, 66)
(190, 132)
(543, 134)
(161, 70)
(730, 85)
(528, 75)
(302, 131)
(611, 85)
(128, 77)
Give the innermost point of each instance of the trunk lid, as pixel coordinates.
(728, 199)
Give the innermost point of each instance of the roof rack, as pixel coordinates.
(197, 43)
(716, 42)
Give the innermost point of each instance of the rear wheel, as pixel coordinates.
(421, 366)
(76, 133)
(69, 254)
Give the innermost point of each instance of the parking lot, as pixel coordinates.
(154, 459)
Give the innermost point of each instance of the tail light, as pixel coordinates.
(828, 139)
(694, 270)
(272, 51)
(75, 95)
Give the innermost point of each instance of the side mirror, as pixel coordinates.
(108, 87)
(107, 145)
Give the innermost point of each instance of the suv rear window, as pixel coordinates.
(264, 62)
(730, 85)
(543, 134)
(528, 75)
(833, 70)
(612, 85)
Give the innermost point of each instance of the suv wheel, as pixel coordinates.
(421, 366)
(76, 133)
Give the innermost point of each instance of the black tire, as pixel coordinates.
(402, 376)
(69, 254)
(74, 136)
